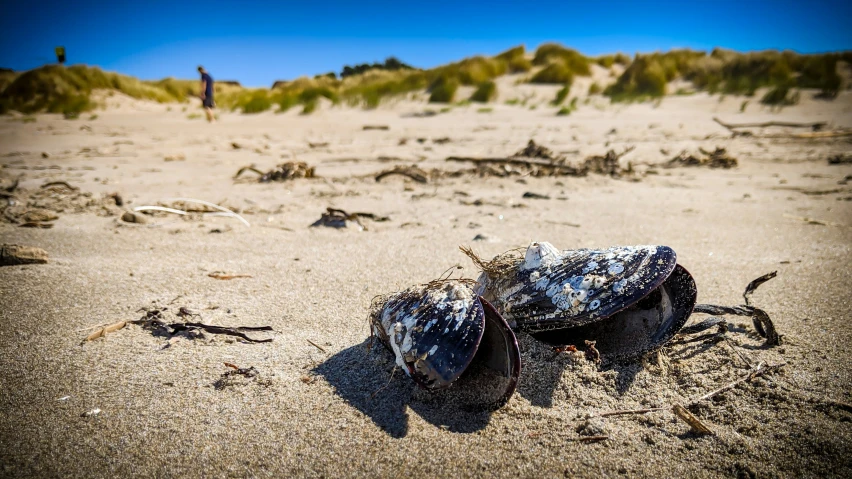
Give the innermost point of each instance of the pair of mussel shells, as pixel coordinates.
(630, 300)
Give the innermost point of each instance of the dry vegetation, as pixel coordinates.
(67, 90)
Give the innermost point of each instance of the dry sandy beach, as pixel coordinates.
(321, 404)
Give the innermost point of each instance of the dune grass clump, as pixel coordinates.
(574, 61)
(485, 92)
(310, 106)
(472, 71)
(285, 101)
(780, 96)
(516, 59)
(554, 73)
(644, 78)
(595, 89)
(58, 89)
(443, 90)
(607, 61)
(371, 88)
(179, 90)
(258, 102)
(820, 72)
(561, 95)
(390, 64)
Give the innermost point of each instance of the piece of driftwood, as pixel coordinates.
(514, 161)
(816, 126)
(840, 159)
(413, 172)
(13, 254)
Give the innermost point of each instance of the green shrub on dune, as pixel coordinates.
(485, 92)
(443, 90)
(572, 60)
(780, 96)
(68, 90)
(372, 88)
(515, 59)
(472, 71)
(607, 61)
(561, 95)
(556, 72)
(258, 102)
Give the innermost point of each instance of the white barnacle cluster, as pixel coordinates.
(398, 328)
(539, 254)
(575, 294)
(452, 301)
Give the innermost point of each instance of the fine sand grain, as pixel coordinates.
(139, 403)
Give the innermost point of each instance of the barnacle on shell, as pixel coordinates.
(443, 332)
(630, 299)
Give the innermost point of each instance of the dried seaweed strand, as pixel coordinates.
(762, 323)
(178, 327)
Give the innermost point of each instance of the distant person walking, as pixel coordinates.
(207, 93)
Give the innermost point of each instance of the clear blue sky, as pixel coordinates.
(259, 42)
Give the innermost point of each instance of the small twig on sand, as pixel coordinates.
(159, 208)
(225, 276)
(812, 221)
(690, 419)
(316, 346)
(631, 411)
(104, 330)
(760, 370)
(212, 205)
(592, 438)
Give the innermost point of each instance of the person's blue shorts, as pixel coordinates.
(207, 102)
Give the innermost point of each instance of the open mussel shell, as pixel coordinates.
(644, 326)
(551, 289)
(490, 380)
(443, 333)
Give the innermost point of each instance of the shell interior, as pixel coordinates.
(492, 376)
(644, 326)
